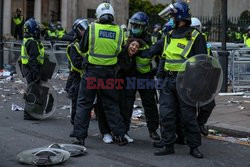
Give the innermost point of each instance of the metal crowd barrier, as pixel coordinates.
(241, 70)
(59, 50)
(55, 50)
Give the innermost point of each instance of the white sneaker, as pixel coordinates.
(128, 138)
(107, 138)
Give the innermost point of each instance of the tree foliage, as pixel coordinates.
(144, 6)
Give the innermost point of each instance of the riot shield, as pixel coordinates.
(74, 150)
(199, 80)
(40, 100)
(48, 69)
(43, 156)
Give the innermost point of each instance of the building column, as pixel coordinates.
(38, 10)
(7, 17)
(64, 14)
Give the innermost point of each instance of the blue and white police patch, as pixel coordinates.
(107, 34)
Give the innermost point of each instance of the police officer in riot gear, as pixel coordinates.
(76, 60)
(204, 111)
(60, 31)
(18, 22)
(180, 44)
(102, 43)
(238, 36)
(32, 55)
(138, 29)
(51, 32)
(247, 37)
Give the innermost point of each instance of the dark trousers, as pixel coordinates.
(148, 103)
(86, 97)
(205, 112)
(170, 107)
(102, 120)
(73, 110)
(29, 79)
(101, 117)
(123, 105)
(18, 34)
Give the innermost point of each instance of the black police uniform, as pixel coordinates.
(73, 82)
(86, 99)
(31, 70)
(170, 98)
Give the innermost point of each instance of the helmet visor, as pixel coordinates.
(83, 24)
(166, 12)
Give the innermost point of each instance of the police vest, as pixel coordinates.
(143, 65)
(209, 52)
(60, 33)
(247, 41)
(238, 36)
(177, 50)
(18, 20)
(205, 36)
(105, 43)
(52, 33)
(76, 47)
(24, 55)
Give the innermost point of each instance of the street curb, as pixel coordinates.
(231, 130)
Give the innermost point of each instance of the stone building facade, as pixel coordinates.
(66, 11)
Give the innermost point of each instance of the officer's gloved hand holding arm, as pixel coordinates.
(33, 64)
(160, 72)
(156, 49)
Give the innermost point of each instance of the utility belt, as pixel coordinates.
(92, 66)
(171, 73)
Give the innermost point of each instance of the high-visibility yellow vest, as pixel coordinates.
(105, 43)
(238, 35)
(18, 20)
(177, 50)
(60, 33)
(247, 41)
(24, 55)
(143, 65)
(76, 46)
(205, 36)
(52, 33)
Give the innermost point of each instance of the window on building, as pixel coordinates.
(91, 14)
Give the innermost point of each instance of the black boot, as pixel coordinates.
(159, 144)
(165, 150)
(79, 141)
(121, 141)
(196, 153)
(154, 135)
(204, 130)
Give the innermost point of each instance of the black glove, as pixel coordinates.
(160, 72)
